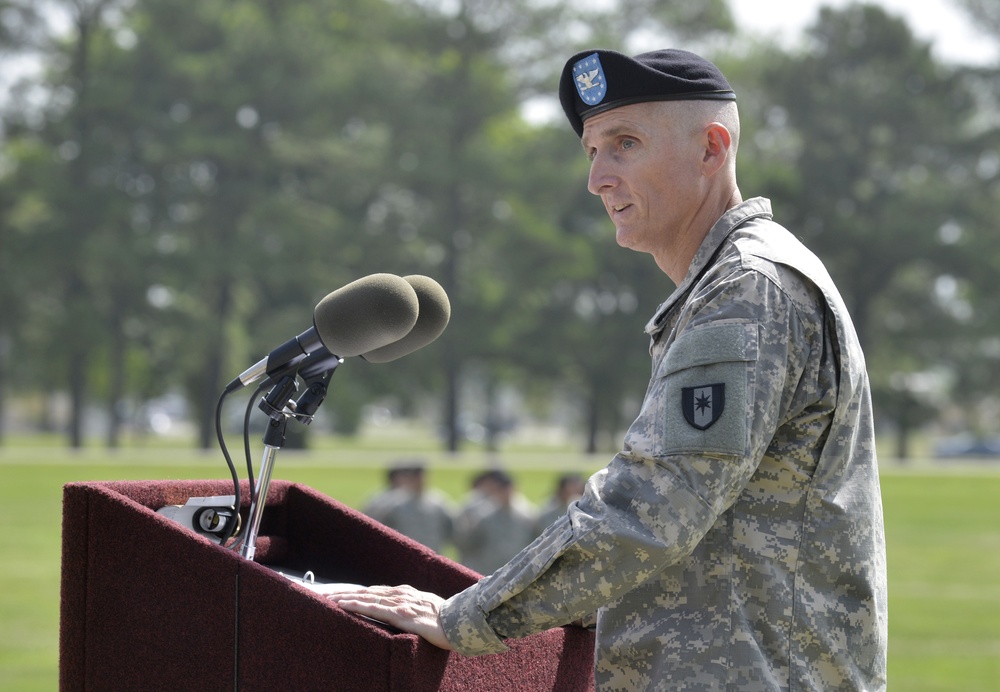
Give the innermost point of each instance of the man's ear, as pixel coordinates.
(717, 141)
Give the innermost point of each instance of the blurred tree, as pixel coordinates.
(78, 207)
(18, 23)
(221, 77)
(970, 285)
(872, 132)
(21, 26)
(165, 191)
(985, 13)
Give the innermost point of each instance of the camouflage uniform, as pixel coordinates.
(737, 541)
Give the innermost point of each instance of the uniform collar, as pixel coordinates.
(727, 223)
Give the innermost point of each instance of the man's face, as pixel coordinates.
(644, 165)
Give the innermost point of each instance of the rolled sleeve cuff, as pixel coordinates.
(465, 625)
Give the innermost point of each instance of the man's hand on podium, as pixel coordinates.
(403, 607)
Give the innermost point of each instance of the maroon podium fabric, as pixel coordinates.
(148, 605)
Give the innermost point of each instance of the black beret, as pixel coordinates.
(594, 81)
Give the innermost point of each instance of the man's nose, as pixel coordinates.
(602, 175)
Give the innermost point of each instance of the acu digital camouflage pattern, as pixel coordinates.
(746, 556)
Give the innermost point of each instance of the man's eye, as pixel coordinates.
(628, 143)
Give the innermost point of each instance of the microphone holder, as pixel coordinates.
(279, 407)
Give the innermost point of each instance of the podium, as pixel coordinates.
(147, 604)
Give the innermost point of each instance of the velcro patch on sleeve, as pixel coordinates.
(707, 378)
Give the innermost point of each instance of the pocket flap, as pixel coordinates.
(713, 343)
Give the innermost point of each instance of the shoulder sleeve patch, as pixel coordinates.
(707, 382)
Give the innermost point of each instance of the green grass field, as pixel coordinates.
(942, 524)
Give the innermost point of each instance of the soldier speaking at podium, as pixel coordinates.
(736, 542)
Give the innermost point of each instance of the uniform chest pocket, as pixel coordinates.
(706, 380)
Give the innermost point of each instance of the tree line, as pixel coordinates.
(182, 182)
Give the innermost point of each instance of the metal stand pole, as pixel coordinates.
(273, 439)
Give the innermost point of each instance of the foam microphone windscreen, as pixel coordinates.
(434, 313)
(366, 314)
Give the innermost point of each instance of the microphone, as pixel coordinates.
(363, 316)
(432, 318)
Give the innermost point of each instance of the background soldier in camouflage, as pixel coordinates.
(569, 488)
(408, 506)
(495, 525)
(736, 542)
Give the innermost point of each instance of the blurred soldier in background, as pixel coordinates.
(423, 514)
(569, 489)
(495, 523)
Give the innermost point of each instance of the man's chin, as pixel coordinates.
(626, 239)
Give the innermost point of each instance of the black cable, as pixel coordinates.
(228, 533)
(251, 482)
(246, 431)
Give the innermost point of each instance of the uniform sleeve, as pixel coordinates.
(717, 395)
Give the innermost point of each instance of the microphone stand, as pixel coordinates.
(279, 407)
(274, 438)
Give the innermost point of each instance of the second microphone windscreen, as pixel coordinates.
(366, 314)
(434, 314)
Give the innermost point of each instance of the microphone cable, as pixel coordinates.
(237, 495)
(237, 500)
